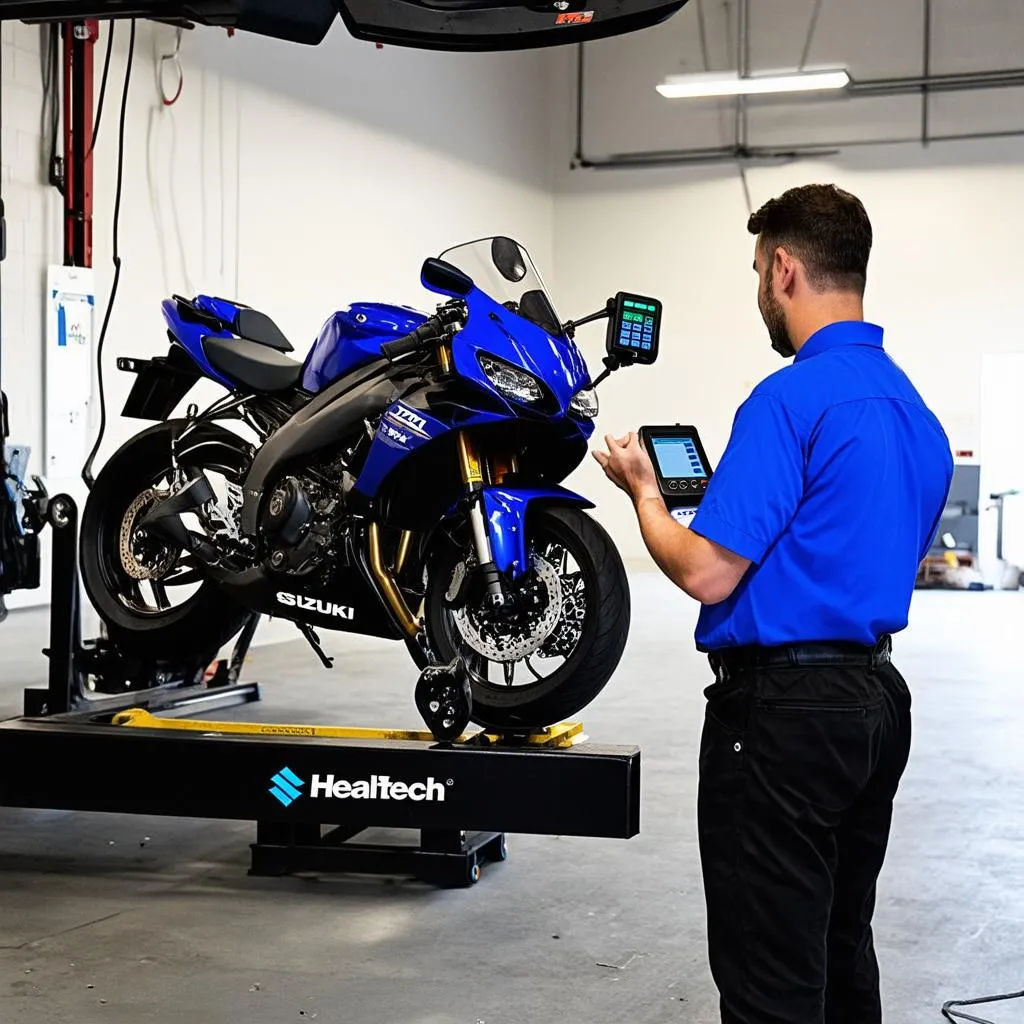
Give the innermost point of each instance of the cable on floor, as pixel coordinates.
(956, 1015)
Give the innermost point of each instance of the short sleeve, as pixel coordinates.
(756, 489)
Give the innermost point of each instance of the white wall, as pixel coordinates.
(943, 280)
(295, 179)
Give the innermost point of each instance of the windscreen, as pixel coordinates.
(502, 269)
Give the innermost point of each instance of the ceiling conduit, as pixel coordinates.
(926, 84)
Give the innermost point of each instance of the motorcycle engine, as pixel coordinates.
(298, 526)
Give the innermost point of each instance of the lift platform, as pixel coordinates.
(312, 790)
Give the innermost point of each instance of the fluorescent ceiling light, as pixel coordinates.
(695, 86)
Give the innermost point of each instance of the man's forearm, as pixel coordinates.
(703, 570)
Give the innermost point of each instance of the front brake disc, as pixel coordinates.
(497, 640)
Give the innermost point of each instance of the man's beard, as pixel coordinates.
(775, 321)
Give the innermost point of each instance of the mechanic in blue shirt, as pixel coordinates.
(804, 553)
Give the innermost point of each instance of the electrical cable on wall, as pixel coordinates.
(87, 468)
(48, 59)
(103, 89)
(174, 59)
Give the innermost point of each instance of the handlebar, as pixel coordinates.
(443, 324)
(425, 334)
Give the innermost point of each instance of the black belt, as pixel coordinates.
(735, 660)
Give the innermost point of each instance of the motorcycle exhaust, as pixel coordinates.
(165, 518)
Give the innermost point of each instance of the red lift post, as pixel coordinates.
(78, 40)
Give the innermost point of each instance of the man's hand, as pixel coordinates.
(701, 568)
(628, 466)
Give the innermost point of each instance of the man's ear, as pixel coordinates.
(784, 271)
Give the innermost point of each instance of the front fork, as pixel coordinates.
(471, 467)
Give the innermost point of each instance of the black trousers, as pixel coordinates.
(798, 769)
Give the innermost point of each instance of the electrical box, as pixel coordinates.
(68, 370)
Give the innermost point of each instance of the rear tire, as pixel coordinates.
(576, 683)
(195, 629)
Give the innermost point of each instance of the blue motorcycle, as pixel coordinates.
(403, 481)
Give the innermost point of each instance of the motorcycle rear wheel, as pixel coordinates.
(601, 577)
(198, 627)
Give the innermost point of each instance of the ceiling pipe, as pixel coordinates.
(907, 85)
(926, 70)
(783, 153)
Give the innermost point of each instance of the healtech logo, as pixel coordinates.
(313, 604)
(376, 787)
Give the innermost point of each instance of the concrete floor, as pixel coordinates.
(124, 920)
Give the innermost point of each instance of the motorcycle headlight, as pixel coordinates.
(510, 381)
(584, 404)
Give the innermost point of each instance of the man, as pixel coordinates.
(804, 554)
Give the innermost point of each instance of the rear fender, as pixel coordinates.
(505, 510)
(160, 384)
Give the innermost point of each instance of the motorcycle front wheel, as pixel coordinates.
(547, 654)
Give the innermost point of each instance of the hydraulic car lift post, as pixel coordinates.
(293, 780)
(78, 41)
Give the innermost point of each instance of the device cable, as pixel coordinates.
(87, 468)
(956, 1015)
(103, 89)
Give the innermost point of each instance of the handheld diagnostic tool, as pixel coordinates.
(681, 466)
(633, 329)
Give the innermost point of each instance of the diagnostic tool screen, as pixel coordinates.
(635, 328)
(678, 457)
(680, 464)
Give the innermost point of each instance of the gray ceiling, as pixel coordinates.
(871, 38)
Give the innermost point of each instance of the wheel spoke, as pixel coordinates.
(176, 578)
(509, 668)
(185, 570)
(160, 594)
(535, 673)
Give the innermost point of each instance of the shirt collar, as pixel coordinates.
(843, 332)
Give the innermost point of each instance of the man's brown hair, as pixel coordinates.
(825, 228)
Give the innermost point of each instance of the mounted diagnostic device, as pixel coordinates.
(634, 328)
(681, 466)
(634, 331)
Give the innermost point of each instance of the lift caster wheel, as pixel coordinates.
(473, 875)
(497, 849)
(444, 699)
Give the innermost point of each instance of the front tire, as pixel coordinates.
(545, 701)
(198, 627)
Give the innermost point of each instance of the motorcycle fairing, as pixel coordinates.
(492, 329)
(190, 334)
(352, 337)
(348, 603)
(505, 510)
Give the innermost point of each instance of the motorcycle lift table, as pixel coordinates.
(311, 790)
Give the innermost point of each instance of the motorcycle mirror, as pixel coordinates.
(438, 276)
(508, 258)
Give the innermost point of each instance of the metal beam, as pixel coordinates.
(926, 70)
(798, 151)
(962, 82)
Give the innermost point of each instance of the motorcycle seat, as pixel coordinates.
(253, 364)
(253, 325)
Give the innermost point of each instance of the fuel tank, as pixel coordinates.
(352, 337)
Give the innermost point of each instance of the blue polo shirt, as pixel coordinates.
(832, 485)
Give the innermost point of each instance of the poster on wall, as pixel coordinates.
(68, 369)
